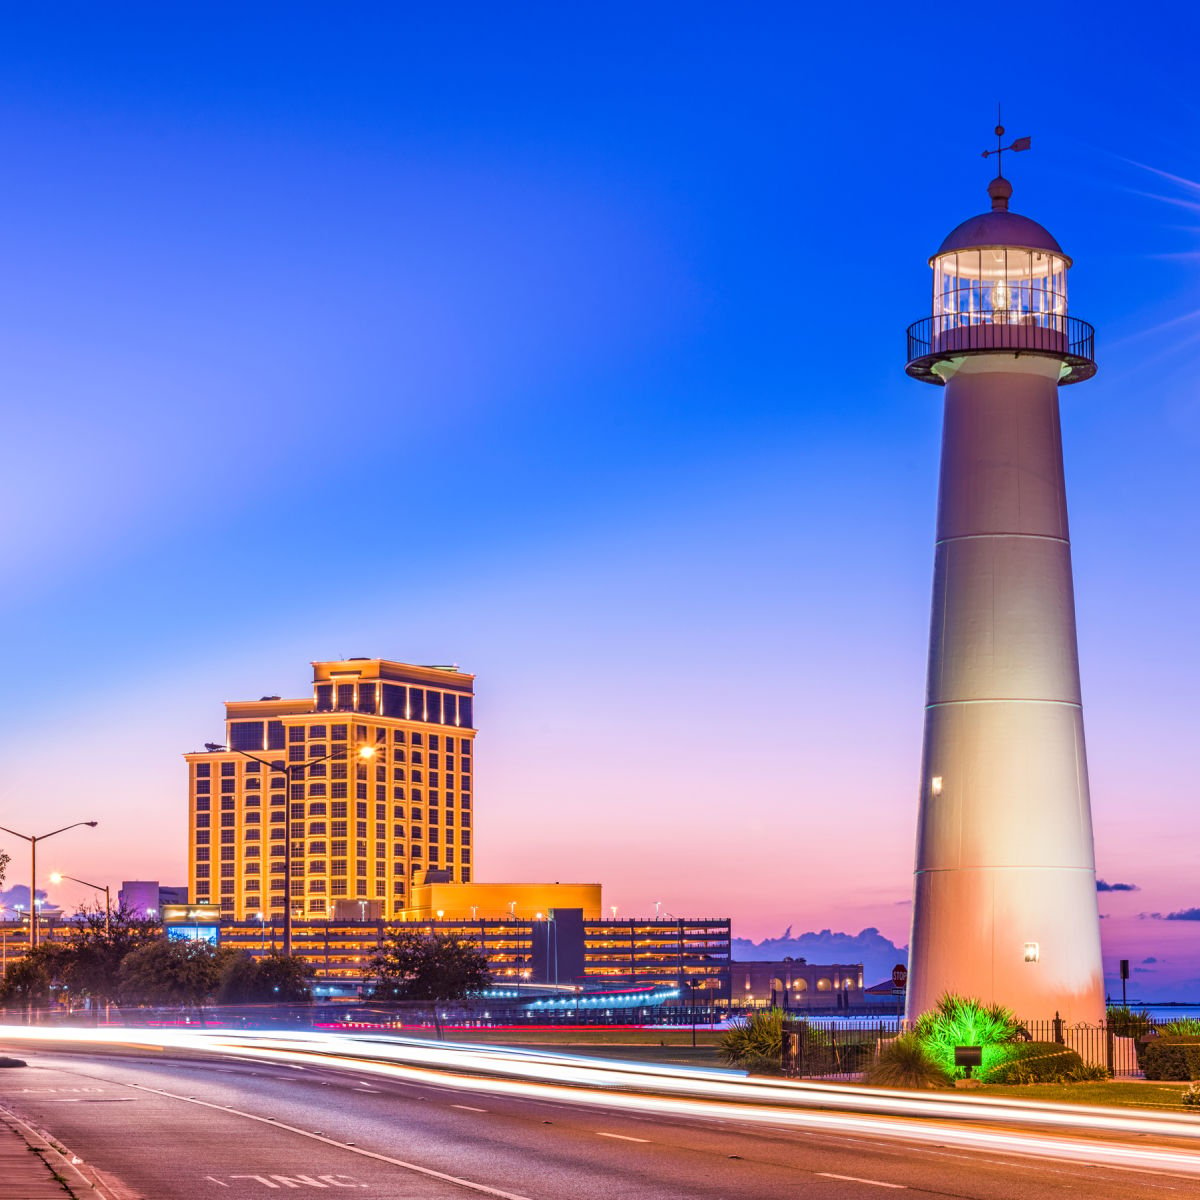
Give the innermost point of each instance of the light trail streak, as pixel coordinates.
(693, 1094)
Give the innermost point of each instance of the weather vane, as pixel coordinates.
(1021, 143)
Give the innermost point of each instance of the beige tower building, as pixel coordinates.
(370, 777)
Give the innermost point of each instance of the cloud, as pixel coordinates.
(1103, 886)
(1183, 914)
(17, 894)
(877, 953)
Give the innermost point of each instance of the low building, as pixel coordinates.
(560, 948)
(794, 983)
(436, 897)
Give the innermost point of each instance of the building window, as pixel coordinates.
(203, 770)
(202, 837)
(202, 804)
(202, 821)
(203, 787)
(228, 785)
(338, 732)
(316, 809)
(337, 887)
(275, 735)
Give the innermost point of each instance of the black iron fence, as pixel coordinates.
(844, 1050)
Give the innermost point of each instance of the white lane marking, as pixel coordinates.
(468, 1108)
(856, 1179)
(621, 1137)
(429, 1172)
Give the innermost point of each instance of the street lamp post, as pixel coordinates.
(58, 877)
(33, 840)
(285, 769)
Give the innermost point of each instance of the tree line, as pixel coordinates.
(123, 959)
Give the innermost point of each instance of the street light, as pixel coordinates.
(33, 840)
(365, 752)
(58, 877)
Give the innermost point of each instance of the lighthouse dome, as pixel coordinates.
(1000, 228)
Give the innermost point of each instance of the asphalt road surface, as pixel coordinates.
(173, 1126)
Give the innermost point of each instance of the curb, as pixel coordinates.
(82, 1182)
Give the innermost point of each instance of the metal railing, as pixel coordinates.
(952, 334)
(843, 1050)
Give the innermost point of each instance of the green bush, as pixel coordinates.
(1041, 1062)
(1191, 1096)
(1176, 1058)
(960, 1021)
(1124, 1022)
(1181, 1027)
(755, 1042)
(904, 1062)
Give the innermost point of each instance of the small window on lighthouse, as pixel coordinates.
(935, 785)
(1033, 952)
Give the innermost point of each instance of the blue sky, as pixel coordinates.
(568, 346)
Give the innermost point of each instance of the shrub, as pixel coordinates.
(1172, 1058)
(1041, 1062)
(959, 1021)
(1181, 1027)
(1124, 1022)
(1191, 1096)
(755, 1042)
(904, 1062)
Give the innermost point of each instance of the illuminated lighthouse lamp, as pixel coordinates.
(999, 283)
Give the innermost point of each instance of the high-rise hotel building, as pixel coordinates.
(370, 777)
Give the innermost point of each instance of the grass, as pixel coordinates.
(672, 1047)
(581, 1038)
(1117, 1093)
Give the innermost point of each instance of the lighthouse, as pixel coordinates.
(1004, 905)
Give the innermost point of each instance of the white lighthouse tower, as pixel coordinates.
(1005, 889)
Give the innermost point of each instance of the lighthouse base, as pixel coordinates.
(1006, 935)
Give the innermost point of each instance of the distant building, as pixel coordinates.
(371, 776)
(146, 897)
(561, 948)
(794, 983)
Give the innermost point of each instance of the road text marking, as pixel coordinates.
(395, 1162)
(621, 1137)
(468, 1108)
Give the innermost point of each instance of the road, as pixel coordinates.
(176, 1124)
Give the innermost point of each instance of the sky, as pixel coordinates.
(567, 345)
